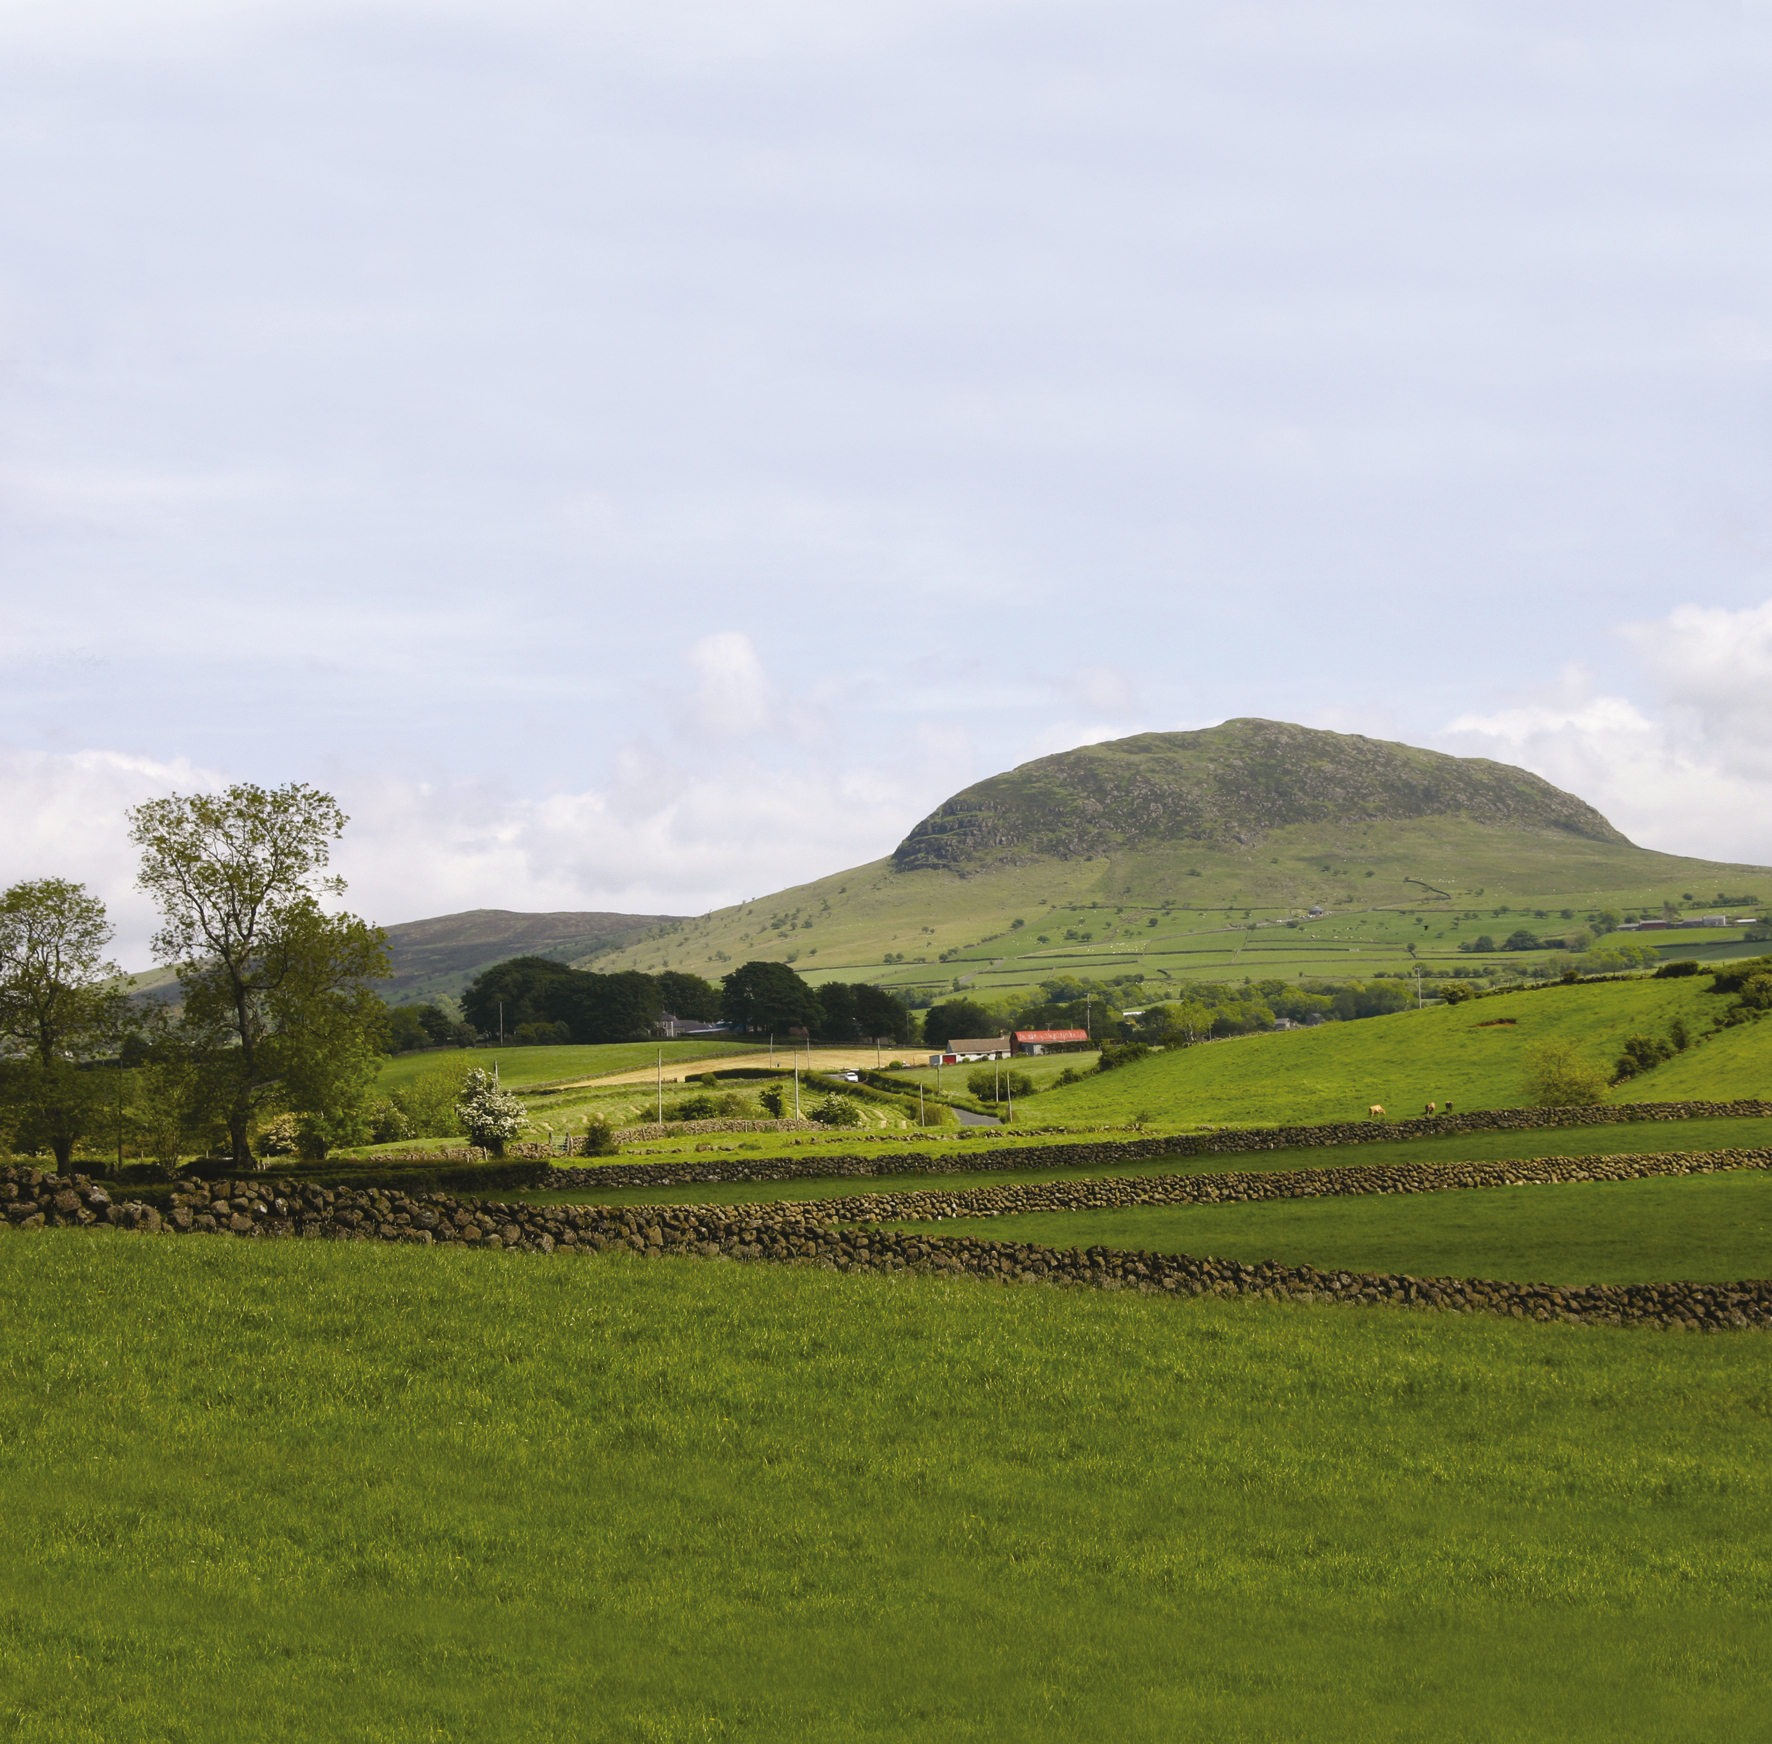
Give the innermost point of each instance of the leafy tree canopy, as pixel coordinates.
(278, 999)
(760, 996)
(958, 1017)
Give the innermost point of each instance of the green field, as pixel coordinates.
(354, 1492)
(1471, 1055)
(1704, 1228)
(519, 1066)
(1568, 1141)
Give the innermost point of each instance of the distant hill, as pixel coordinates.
(1231, 785)
(1203, 855)
(443, 954)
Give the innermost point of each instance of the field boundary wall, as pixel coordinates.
(788, 1234)
(973, 1157)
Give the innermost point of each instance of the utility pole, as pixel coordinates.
(796, 1084)
(1009, 1105)
(501, 1023)
(661, 1086)
(921, 1122)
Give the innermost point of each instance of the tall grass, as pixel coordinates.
(290, 1491)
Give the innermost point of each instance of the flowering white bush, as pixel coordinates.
(490, 1116)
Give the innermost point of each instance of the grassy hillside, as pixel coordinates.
(330, 1491)
(1471, 1055)
(442, 954)
(1709, 1228)
(1185, 856)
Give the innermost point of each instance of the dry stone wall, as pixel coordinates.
(803, 1234)
(1249, 1186)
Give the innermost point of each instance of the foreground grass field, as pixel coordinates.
(1706, 1228)
(349, 1492)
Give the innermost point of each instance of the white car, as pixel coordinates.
(852, 1077)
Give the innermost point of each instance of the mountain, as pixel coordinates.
(1227, 785)
(1204, 854)
(442, 955)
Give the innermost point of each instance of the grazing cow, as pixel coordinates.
(1430, 1111)
(1375, 1112)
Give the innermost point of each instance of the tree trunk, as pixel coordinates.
(239, 1131)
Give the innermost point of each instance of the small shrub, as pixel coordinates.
(1641, 1054)
(388, 1123)
(430, 1100)
(600, 1138)
(1557, 1077)
(491, 1117)
(1114, 1054)
(1672, 971)
(277, 1137)
(835, 1110)
(774, 1098)
(694, 1108)
(989, 1085)
(1756, 994)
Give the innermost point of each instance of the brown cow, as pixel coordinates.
(1375, 1112)
(1430, 1111)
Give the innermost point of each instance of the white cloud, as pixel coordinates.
(727, 805)
(65, 818)
(1689, 774)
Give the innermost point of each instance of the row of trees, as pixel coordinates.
(536, 999)
(276, 1009)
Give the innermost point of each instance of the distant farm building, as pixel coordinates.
(1051, 1041)
(977, 1048)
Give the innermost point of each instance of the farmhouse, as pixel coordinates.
(1051, 1041)
(976, 1048)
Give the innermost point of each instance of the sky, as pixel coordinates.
(642, 455)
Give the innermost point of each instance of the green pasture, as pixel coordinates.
(356, 1492)
(1635, 1137)
(1472, 1055)
(1733, 1064)
(1706, 1228)
(1044, 1069)
(520, 1066)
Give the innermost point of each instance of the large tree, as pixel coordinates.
(958, 1017)
(689, 996)
(61, 1003)
(762, 996)
(278, 1000)
(595, 1008)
